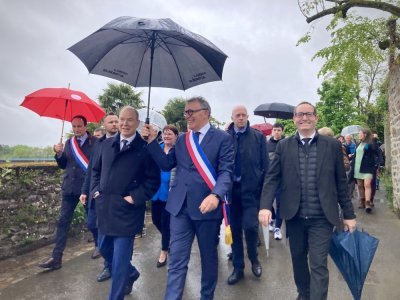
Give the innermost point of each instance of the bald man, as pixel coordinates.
(251, 163)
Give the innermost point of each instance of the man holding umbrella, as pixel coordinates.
(74, 159)
(309, 169)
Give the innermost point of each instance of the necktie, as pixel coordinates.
(79, 142)
(124, 144)
(237, 170)
(197, 133)
(306, 144)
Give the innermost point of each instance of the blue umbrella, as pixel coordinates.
(353, 254)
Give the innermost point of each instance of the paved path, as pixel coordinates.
(21, 279)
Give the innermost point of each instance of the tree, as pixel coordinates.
(289, 127)
(173, 113)
(116, 96)
(335, 108)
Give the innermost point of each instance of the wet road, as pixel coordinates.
(21, 279)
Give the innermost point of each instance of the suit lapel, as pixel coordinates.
(207, 138)
(294, 153)
(321, 149)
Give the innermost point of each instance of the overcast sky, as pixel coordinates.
(259, 37)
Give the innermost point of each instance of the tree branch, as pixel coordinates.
(344, 6)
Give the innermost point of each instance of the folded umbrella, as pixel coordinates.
(353, 254)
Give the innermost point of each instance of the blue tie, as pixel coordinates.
(124, 146)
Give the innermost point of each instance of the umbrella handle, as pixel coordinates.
(62, 131)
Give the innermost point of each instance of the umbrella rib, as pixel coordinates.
(141, 61)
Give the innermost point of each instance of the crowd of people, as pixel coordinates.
(302, 179)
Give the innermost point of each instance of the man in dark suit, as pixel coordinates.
(195, 208)
(110, 124)
(124, 177)
(70, 158)
(309, 169)
(251, 163)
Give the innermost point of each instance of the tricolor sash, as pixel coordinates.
(207, 172)
(80, 157)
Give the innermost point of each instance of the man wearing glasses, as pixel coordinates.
(195, 208)
(309, 169)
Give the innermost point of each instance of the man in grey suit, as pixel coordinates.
(196, 210)
(309, 169)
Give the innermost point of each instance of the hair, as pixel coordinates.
(100, 129)
(203, 103)
(326, 131)
(172, 128)
(305, 102)
(278, 125)
(80, 117)
(368, 135)
(132, 109)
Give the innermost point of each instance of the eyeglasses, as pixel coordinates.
(190, 112)
(302, 114)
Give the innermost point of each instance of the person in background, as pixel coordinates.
(329, 132)
(110, 124)
(350, 146)
(73, 158)
(251, 164)
(378, 162)
(159, 214)
(309, 169)
(276, 222)
(99, 132)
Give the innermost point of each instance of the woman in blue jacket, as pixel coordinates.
(159, 215)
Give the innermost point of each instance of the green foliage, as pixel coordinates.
(336, 106)
(24, 151)
(173, 113)
(386, 178)
(217, 123)
(116, 96)
(79, 215)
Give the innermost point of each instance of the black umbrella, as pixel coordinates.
(150, 52)
(353, 254)
(275, 110)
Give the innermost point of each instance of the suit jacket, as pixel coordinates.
(117, 174)
(188, 184)
(73, 174)
(331, 179)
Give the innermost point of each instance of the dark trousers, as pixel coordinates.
(100, 240)
(119, 250)
(309, 241)
(276, 214)
(91, 219)
(183, 231)
(68, 205)
(161, 220)
(243, 219)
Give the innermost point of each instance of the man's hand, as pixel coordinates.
(209, 204)
(264, 217)
(58, 148)
(129, 199)
(350, 225)
(83, 199)
(150, 132)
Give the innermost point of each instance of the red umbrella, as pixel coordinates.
(63, 104)
(265, 128)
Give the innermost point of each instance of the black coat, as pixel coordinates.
(253, 164)
(331, 179)
(117, 174)
(370, 160)
(74, 174)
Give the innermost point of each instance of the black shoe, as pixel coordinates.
(131, 280)
(229, 255)
(161, 264)
(256, 269)
(302, 297)
(51, 263)
(104, 275)
(96, 254)
(235, 277)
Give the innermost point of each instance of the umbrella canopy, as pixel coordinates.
(352, 129)
(63, 104)
(353, 254)
(275, 110)
(155, 117)
(265, 128)
(150, 52)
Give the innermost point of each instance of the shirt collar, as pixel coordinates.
(82, 138)
(311, 137)
(130, 139)
(204, 129)
(241, 130)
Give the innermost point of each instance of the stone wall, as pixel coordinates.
(394, 119)
(30, 200)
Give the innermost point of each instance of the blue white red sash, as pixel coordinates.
(208, 174)
(80, 157)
